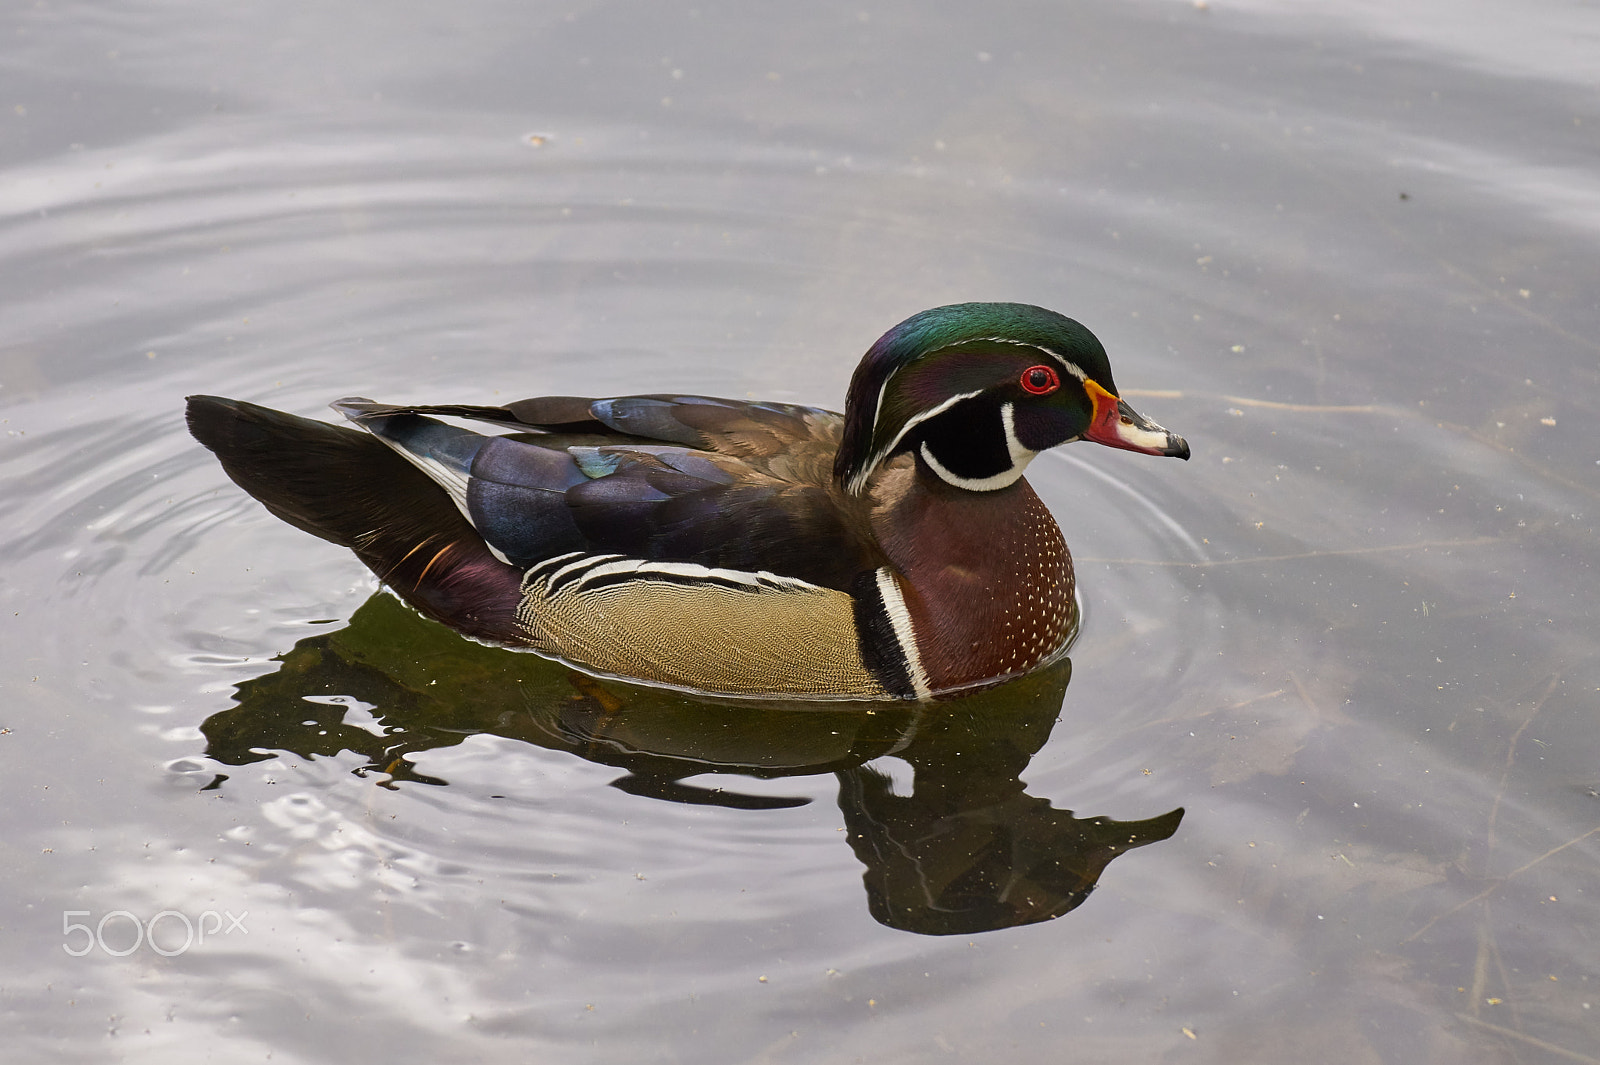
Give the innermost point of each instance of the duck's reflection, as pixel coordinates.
(966, 850)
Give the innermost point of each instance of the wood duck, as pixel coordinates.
(729, 547)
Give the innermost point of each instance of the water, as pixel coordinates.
(1349, 254)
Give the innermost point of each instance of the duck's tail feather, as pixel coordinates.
(350, 488)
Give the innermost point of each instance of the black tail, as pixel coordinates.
(348, 487)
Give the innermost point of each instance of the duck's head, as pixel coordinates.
(976, 390)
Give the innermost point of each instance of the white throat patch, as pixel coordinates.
(1020, 457)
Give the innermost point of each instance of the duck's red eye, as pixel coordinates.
(1040, 380)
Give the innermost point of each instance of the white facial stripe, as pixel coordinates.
(860, 479)
(855, 483)
(894, 605)
(1071, 367)
(1020, 457)
(1004, 479)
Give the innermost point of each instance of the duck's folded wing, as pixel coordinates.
(662, 502)
(546, 414)
(536, 498)
(755, 431)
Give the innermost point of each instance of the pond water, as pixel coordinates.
(1349, 254)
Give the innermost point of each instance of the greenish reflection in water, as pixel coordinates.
(968, 850)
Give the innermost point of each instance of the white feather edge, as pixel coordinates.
(643, 569)
(894, 605)
(454, 482)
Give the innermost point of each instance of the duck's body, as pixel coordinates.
(729, 547)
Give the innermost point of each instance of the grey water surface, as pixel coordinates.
(1349, 251)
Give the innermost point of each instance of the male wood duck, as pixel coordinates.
(721, 546)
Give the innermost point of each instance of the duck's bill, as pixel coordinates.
(1116, 424)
